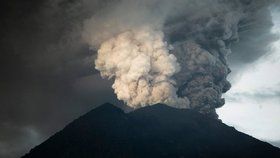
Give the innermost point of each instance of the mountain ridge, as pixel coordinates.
(153, 131)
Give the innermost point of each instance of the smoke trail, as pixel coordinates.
(189, 70)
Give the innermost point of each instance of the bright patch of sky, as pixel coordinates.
(253, 103)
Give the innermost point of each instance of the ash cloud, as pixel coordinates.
(140, 62)
(47, 72)
(201, 43)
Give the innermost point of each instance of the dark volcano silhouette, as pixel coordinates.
(154, 131)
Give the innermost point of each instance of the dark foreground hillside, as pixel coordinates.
(155, 131)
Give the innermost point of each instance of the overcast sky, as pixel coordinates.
(255, 95)
(47, 75)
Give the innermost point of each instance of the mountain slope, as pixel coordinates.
(155, 131)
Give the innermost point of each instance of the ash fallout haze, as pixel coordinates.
(62, 58)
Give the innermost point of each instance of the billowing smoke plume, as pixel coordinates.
(172, 52)
(142, 66)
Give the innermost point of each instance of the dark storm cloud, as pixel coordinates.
(47, 76)
(255, 40)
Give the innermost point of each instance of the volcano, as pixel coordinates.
(153, 131)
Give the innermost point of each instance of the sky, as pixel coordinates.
(255, 95)
(48, 77)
